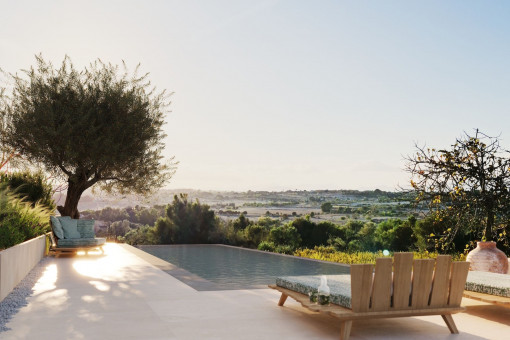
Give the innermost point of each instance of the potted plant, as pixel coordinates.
(468, 185)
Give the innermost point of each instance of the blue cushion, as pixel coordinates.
(86, 228)
(70, 227)
(57, 227)
(81, 242)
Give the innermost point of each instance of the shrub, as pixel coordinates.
(121, 228)
(19, 220)
(354, 246)
(266, 246)
(241, 222)
(331, 254)
(285, 235)
(276, 248)
(313, 234)
(284, 249)
(254, 234)
(326, 207)
(396, 235)
(142, 235)
(31, 186)
(268, 222)
(225, 233)
(366, 236)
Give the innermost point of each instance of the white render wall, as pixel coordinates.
(17, 261)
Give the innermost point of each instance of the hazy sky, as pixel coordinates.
(276, 95)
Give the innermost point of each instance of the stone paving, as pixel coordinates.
(120, 295)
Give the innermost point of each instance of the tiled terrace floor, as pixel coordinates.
(121, 296)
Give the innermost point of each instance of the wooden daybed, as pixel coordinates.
(405, 287)
(84, 237)
(488, 287)
(489, 298)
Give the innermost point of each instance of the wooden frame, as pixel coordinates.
(399, 288)
(494, 299)
(61, 250)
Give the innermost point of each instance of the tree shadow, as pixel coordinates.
(490, 312)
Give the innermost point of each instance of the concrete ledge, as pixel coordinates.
(17, 261)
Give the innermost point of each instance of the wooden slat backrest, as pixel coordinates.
(403, 266)
(441, 282)
(457, 282)
(361, 286)
(422, 282)
(381, 292)
(418, 284)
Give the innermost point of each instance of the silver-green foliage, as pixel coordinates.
(101, 125)
(19, 219)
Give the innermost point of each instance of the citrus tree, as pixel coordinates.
(466, 184)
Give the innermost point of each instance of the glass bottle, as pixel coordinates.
(323, 292)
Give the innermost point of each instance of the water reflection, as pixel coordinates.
(237, 268)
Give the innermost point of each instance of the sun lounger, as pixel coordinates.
(488, 287)
(396, 289)
(70, 236)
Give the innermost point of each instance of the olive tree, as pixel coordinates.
(467, 184)
(101, 125)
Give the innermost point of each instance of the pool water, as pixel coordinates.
(238, 268)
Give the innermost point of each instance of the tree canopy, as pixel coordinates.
(186, 222)
(100, 125)
(326, 207)
(467, 185)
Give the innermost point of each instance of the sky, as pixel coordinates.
(290, 95)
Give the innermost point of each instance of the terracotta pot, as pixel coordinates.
(487, 258)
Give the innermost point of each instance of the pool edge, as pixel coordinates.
(251, 249)
(192, 280)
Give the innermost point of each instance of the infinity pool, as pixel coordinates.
(237, 268)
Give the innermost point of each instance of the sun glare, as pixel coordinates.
(47, 281)
(106, 268)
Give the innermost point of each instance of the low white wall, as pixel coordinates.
(17, 261)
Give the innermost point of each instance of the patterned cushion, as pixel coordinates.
(339, 285)
(488, 283)
(86, 228)
(57, 227)
(70, 227)
(81, 242)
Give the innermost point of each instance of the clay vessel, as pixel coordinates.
(487, 258)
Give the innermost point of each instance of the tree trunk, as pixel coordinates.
(490, 224)
(74, 192)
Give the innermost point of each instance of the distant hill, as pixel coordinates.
(91, 201)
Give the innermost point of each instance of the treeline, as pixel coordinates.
(120, 221)
(138, 214)
(185, 221)
(270, 204)
(367, 208)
